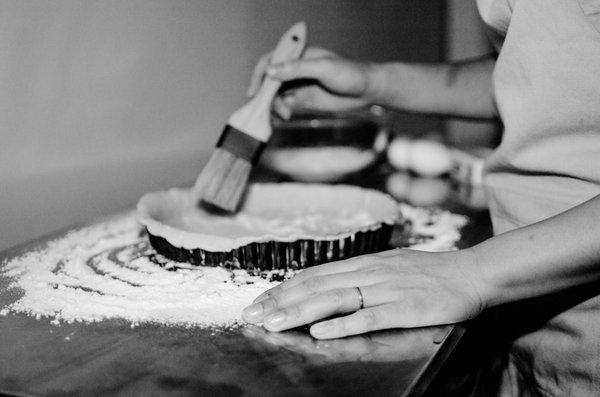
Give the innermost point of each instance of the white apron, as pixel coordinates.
(547, 89)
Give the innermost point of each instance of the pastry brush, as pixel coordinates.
(223, 180)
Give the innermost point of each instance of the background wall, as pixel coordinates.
(102, 101)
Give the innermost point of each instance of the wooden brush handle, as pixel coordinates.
(290, 46)
(254, 117)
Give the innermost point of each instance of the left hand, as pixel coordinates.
(400, 288)
(385, 346)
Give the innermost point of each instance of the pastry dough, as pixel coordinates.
(271, 212)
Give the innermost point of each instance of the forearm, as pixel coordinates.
(459, 89)
(546, 257)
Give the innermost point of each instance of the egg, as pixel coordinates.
(428, 191)
(472, 196)
(398, 185)
(398, 153)
(429, 158)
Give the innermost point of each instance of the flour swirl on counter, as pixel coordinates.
(109, 271)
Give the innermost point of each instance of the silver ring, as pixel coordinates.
(360, 298)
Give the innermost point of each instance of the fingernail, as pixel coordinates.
(272, 339)
(261, 298)
(441, 334)
(250, 332)
(275, 320)
(252, 311)
(321, 329)
(286, 113)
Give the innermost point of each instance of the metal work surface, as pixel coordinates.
(110, 357)
(107, 358)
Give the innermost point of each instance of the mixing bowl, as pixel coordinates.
(326, 147)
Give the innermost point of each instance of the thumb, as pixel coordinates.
(321, 69)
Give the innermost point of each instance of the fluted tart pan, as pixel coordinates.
(279, 226)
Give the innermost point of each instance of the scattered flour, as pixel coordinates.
(431, 229)
(109, 271)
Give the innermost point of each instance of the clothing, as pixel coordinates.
(547, 90)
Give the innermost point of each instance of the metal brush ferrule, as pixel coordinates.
(241, 144)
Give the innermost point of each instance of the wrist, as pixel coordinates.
(377, 76)
(391, 84)
(491, 285)
(475, 276)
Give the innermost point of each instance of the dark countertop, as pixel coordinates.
(112, 358)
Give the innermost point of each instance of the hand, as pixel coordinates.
(392, 346)
(322, 81)
(400, 289)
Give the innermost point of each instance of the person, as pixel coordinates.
(543, 187)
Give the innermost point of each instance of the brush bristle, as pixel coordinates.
(223, 180)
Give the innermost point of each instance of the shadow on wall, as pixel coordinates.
(102, 101)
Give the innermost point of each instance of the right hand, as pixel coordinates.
(323, 81)
(399, 288)
(383, 346)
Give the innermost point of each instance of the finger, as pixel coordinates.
(346, 265)
(365, 320)
(342, 350)
(258, 74)
(337, 301)
(441, 334)
(290, 340)
(282, 109)
(314, 285)
(319, 351)
(264, 61)
(293, 100)
(318, 52)
(318, 68)
(390, 253)
(358, 263)
(402, 344)
(294, 341)
(408, 313)
(301, 99)
(254, 332)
